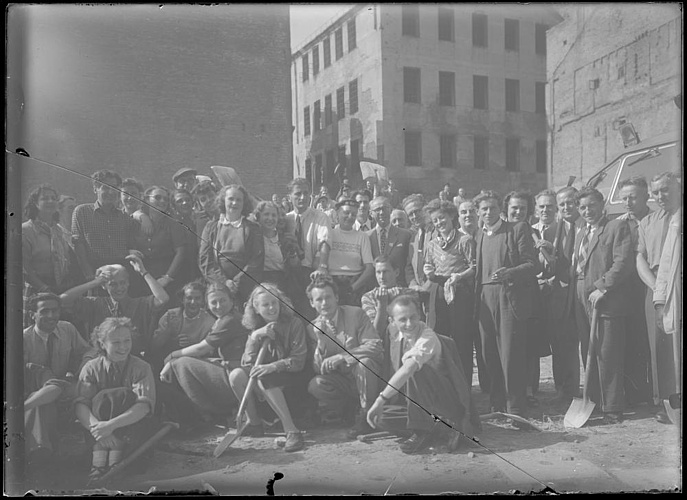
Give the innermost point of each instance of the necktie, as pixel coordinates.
(584, 248)
(299, 231)
(50, 348)
(382, 241)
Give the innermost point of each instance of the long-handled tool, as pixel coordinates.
(518, 418)
(241, 419)
(581, 409)
(673, 404)
(116, 469)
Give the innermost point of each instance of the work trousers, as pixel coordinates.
(504, 345)
(606, 383)
(206, 384)
(661, 351)
(338, 389)
(455, 320)
(638, 380)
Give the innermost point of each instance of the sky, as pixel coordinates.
(307, 18)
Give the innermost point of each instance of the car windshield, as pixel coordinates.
(647, 163)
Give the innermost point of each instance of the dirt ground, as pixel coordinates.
(638, 454)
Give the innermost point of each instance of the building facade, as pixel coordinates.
(147, 94)
(448, 93)
(609, 65)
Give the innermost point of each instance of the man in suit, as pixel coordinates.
(343, 334)
(507, 266)
(387, 239)
(565, 342)
(602, 264)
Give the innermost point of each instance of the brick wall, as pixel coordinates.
(146, 91)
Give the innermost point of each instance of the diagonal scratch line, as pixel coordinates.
(436, 418)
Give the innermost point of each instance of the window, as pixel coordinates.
(446, 24)
(540, 39)
(480, 92)
(319, 174)
(512, 34)
(355, 157)
(540, 160)
(341, 162)
(413, 148)
(447, 88)
(308, 169)
(352, 44)
(447, 150)
(340, 104)
(353, 97)
(327, 110)
(410, 20)
(481, 152)
(480, 33)
(411, 85)
(540, 98)
(315, 60)
(306, 68)
(330, 165)
(316, 116)
(513, 155)
(327, 50)
(338, 43)
(306, 121)
(512, 95)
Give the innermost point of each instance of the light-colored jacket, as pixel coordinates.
(668, 289)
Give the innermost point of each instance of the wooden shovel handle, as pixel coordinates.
(251, 382)
(591, 358)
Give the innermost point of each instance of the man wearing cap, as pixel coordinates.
(185, 178)
(350, 256)
(387, 239)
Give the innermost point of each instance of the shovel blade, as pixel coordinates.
(674, 414)
(229, 439)
(579, 412)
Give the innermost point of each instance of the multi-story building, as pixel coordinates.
(441, 93)
(610, 65)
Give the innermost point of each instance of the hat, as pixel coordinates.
(184, 171)
(320, 198)
(346, 201)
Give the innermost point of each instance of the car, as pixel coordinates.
(647, 158)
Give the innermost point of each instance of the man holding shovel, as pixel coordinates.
(602, 262)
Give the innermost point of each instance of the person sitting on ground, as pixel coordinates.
(115, 280)
(375, 302)
(427, 369)
(270, 318)
(196, 370)
(350, 255)
(53, 354)
(347, 355)
(182, 326)
(115, 396)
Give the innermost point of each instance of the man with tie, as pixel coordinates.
(565, 342)
(387, 239)
(363, 222)
(603, 269)
(311, 229)
(652, 232)
(347, 355)
(53, 354)
(634, 193)
(507, 267)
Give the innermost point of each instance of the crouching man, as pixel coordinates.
(427, 368)
(341, 379)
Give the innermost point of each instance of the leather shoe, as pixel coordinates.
(611, 418)
(416, 443)
(360, 428)
(294, 441)
(662, 417)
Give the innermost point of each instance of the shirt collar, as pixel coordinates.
(98, 206)
(41, 333)
(226, 222)
(494, 228)
(379, 228)
(420, 330)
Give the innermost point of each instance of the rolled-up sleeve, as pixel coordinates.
(425, 349)
(143, 385)
(88, 384)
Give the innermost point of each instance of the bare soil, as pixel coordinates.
(638, 454)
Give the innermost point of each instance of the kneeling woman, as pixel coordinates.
(198, 373)
(429, 367)
(282, 368)
(115, 395)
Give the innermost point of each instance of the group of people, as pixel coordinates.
(366, 310)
